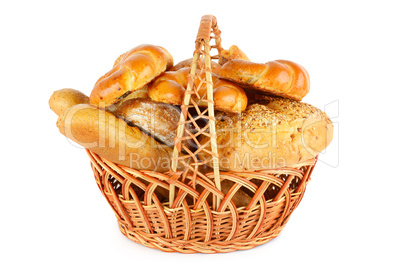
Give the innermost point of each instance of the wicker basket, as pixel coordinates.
(185, 222)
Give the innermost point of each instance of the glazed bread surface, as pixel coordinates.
(131, 71)
(234, 52)
(281, 77)
(171, 85)
(141, 93)
(215, 67)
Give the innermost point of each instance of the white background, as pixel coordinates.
(52, 213)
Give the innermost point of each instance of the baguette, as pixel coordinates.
(64, 98)
(104, 134)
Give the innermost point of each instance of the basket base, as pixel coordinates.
(190, 247)
(145, 218)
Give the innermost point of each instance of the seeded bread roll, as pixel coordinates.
(272, 133)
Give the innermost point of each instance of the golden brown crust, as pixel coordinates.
(104, 134)
(141, 93)
(157, 118)
(234, 52)
(273, 133)
(131, 71)
(64, 98)
(171, 85)
(215, 67)
(282, 78)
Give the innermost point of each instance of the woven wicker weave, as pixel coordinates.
(184, 221)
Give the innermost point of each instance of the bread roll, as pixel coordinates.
(282, 78)
(273, 133)
(157, 118)
(215, 67)
(170, 87)
(64, 98)
(234, 52)
(104, 134)
(141, 93)
(131, 71)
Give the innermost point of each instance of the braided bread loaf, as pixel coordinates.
(283, 78)
(215, 67)
(170, 87)
(131, 71)
(234, 52)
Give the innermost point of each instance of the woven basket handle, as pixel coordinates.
(203, 48)
(209, 24)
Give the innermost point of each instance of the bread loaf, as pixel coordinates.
(171, 85)
(141, 93)
(131, 71)
(104, 134)
(273, 133)
(64, 98)
(157, 118)
(234, 52)
(215, 67)
(282, 78)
